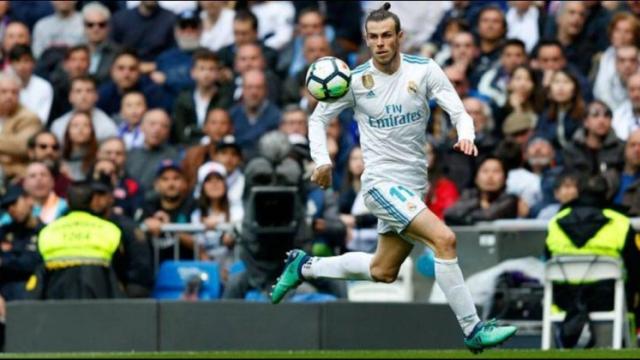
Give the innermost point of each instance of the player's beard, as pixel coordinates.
(391, 59)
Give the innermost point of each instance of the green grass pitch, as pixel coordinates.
(348, 354)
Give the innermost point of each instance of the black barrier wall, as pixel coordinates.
(139, 325)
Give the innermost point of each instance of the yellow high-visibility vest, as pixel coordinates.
(609, 240)
(77, 239)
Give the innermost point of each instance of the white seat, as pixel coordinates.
(400, 290)
(586, 268)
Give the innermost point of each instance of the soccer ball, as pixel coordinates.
(328, 79)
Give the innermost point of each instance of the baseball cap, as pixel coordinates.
(210, 168)
(517, 122)
(228, 141)
(101, 183)
(188, 17)
(168, 164)
(11, 196)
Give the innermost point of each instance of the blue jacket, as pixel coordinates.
(110, 98)
(247, 135)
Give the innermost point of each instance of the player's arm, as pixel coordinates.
(440, 88)
(318, 122)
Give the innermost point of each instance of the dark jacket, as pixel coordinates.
(186, 130)
(19, 256)
(579, 157)
(108, 51)
(582, 224)
(467, 210)
(133, 262)
(248, 134)
(631, 199)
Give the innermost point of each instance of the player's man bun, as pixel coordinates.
(382, 14)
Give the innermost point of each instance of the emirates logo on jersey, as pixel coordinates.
(367, 81)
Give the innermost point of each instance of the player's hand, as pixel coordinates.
(466, 147)
(322, 176)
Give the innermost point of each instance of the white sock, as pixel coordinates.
(449, 278)
(348, 266)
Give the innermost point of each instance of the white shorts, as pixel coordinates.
(394, 205)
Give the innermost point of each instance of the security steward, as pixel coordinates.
(77, 250)
(588, 226)
(133, 261)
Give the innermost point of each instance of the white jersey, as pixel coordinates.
(392, 113)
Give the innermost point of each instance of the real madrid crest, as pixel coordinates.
(367, 81)
(412, 87)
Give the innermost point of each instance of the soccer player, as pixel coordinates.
(389, 95)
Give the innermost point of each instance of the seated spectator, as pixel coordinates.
(173, 205)
(212, 210)
(217, 23)
(613, 90)
(172, 66)
(607, 232)
(519, 128)
(133, 262)
(255, 114)
(569, 30)
(340, 152)
(245, 31)
(142, 162)
(595, 148)
(623, 31)
(443, 192)
(15, 33)
(64, 28)
(494, 82)
(525, 20)
(102, 49)
(628, 192)
(126, 76)
(491, 30)
(488, 201)
(152, 35)
(36, 94)
(17, 125)
(132, 110)
(276, 22)
(564, 111)
(565, 190)
(626, 117)
(250, 57)
(540, 159)
(74, 65)
(229, 154)
(79, 147)
(548, 57)
(524, 94)
(38, 183)
(44, 147)
(521, 181)
(463, 54)
(18, 238)
(217, 126)
(83, 97)
(128, 193)
(361, 224)
(192, 106)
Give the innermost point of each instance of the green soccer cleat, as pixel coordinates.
(291, 276)
(488, 334)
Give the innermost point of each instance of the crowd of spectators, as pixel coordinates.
(169, 101)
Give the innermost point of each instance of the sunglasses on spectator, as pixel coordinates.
(100, 24)
(45, 146)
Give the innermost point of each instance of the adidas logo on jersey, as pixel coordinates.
(370, 94)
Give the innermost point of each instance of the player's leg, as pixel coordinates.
(429, 229)
(383, 266)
